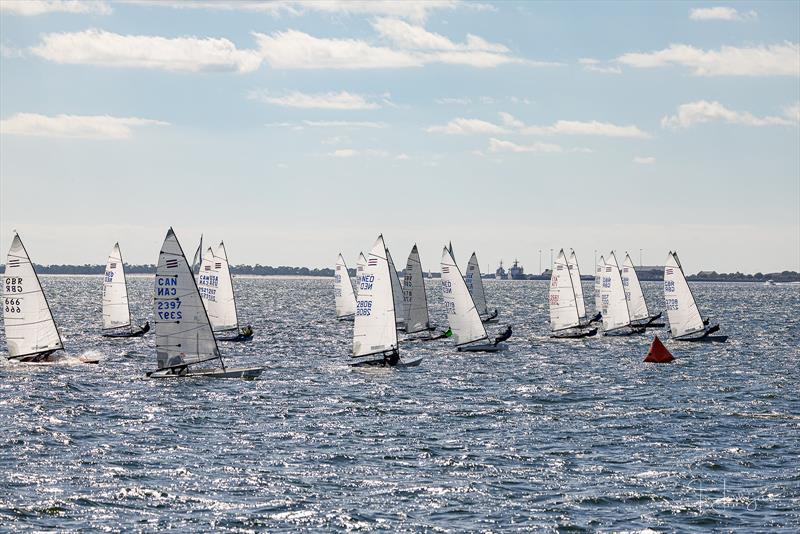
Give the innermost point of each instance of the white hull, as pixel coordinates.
(250, 372)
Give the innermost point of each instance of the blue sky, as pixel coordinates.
(295, 130)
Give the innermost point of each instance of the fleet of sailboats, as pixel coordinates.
(116, 307)
(193, 314)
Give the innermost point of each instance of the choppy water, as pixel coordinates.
(553, 435)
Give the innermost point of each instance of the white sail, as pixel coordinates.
(343, 291)
(599, 269)
(575, 274)
(216, 289)
(183, 331)
(414, 298)
(360, 265)
(563, 304)
(397, 289)
(616, 314)
(375, 330)
(684, 317)
(637, 306)
(462, 315)
(197, 262)
(29, 325)
(475, 284)
(116, 310)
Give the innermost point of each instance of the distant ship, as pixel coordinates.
(516, 272)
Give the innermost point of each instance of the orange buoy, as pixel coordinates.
(658, 353)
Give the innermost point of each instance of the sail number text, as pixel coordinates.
(168, 310)
(364, 307)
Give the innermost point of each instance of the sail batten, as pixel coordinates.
(462, 314)
(374, 329)
(183, 330)
(682, 312)
(29, 325)
(414, 298)
(343, 291)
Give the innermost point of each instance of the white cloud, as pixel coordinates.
(191, 54)
(417, 10)
(793, 112)
(461, 126)
(720, 13)
(644, 160)
(293, 49)
(595, 65)
(402, 156)
(764, 60)
(704, 111)
(350, 152)
(42, 7)
(74, 126)
(497, 145)
(346, 124)
(295, 99)
(344, 153)
(450, 100)
(412, 37)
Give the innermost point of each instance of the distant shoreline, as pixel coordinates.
(650, 275)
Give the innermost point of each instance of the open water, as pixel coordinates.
(575, 435)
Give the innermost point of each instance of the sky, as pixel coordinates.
(296, 130)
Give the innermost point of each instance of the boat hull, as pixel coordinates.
(484, 347)
(382, 364)
(238, 338)
(230, 372)
(139, 333)
(576, 335)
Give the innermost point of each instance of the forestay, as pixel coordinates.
(29, 325)
(599, 269)
(343, 291)
(475, 284)
(374, 330)
(575, 274)
(414, 298)
(684, 317)
(615, 314)
(637, 306)
(116, 309)
(183, 331)
(397, 289)
(462, 315)
(563, 307)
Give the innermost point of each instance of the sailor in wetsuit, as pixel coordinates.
(247, 331)
(392, 359)
(146, 327)
(502, 337)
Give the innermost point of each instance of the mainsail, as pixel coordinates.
(183, 331)
(216, 289)
(414, 298)
(397, 289)
(462, 315)
(116, 309)
(475, 284)
(684, 317)
(197, 262)
(637, 306)
(30, 328)
(375, 330)
(343, 291)
(615, 315)
(575, 274)
(598, 285)
(563, 305)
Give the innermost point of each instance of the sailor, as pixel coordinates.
(247, 331)
(502, 337)
(391, 359)
(146, 327)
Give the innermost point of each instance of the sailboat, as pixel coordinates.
(475, 287)
(637, 305)
(116, 308)
(184, 337)
(565, 309)
(575, 275)
(216, 289)
(616, 316)
(360, 265)
(397, 290)
(599, 269)
(343, 291)
(197, 262)
(685, 321)
(375, 326)
(31, 332)
(462, 314)
(415, 300)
